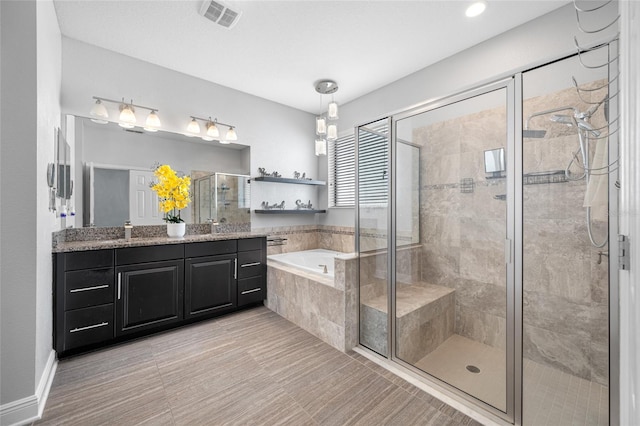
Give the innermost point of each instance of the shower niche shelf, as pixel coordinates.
(289, 181)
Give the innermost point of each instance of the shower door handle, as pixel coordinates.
(508, 251)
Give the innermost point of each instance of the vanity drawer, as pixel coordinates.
(87, 326)
(246, 244)
(250, 290)
(88, 287)
(249, 263)
(88, 259)
(131, 255)
(210, 248)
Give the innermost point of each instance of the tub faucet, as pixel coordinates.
(324, 270)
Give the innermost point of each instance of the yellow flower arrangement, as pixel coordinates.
(173, 192)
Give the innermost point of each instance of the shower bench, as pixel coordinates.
(425, 315)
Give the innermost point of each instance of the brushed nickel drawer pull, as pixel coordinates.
(235, 268)
(252, 290)
(95, 287)
(246, 265)
(119, 283)
(102, 324)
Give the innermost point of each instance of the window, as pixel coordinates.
(374, 169)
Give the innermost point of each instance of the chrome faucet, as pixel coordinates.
(324, 270)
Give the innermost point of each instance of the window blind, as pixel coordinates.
(374, 156)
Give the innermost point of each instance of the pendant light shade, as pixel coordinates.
(321, 147)
(99, 113)
(153, 122)
(332, 110)
(127, 116)
(231, 135)
(212, 130)
(193, 126)
(321, 126)
(332, 132)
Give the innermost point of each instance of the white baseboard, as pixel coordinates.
(26, 410)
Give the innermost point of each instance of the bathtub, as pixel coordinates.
(309, 260)
(325, 305)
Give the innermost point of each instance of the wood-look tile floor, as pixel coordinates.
(248, 368)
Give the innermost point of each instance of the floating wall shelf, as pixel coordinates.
(289, 180)
(278, 211)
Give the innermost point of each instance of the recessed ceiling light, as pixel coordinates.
(476, 8)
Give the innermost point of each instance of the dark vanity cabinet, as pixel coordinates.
(106, 296)
(83, 299)
(252, 270)
(149, 287)
(211, 270)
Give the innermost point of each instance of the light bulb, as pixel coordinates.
(332, 132)
(207, 138)
(193, 126)
(231, 135)
(321, 126)
(332, 110)
(127, 116)
(212, 130)
(153, 122)
(321, 147)
(99, 112)
(223, 142)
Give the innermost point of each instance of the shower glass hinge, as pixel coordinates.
(623, 252)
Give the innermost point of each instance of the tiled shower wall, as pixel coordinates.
(565, 303)
(463, 233)
(565, 289)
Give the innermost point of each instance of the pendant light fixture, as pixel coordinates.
(212, 132)
(330, 131)
(127, 116)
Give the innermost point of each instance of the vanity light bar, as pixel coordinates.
(127, 116)
(212, 129)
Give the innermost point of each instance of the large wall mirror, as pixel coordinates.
(116, 167)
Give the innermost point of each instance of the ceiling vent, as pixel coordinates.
(220, 13)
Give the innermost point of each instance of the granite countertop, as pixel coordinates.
(71, 246)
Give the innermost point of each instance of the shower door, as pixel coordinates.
(373, 216)
(436, 245)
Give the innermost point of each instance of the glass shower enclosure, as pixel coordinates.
(482, 231)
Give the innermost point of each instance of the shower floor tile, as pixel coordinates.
(449, 361)
(551, 397)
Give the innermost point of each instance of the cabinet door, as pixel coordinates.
(149, 295)
(210, 285)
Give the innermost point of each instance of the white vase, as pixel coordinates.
(176, 230)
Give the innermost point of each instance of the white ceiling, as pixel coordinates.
(279, 49)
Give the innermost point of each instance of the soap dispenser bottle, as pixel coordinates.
(127, 230)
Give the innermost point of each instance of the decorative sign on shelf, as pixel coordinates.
(275, 206)
(302, 206)
(274, 174)
(263, 173)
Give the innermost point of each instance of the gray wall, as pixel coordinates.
(31, 74)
